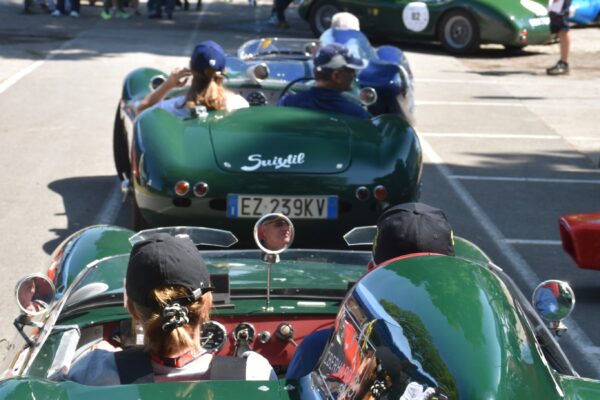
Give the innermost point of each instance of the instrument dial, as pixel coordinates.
(214, 336)
(244, 330)
(257, 99)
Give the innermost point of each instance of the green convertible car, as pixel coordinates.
(460, 25)
(328, 171)
(453, 325)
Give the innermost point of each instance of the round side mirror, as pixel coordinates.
(553, 300)
(368, 96)
(34, 293)
(311, 48)
(273, 233)
(258, 72)
(156, 81)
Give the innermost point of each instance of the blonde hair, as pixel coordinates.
(206, 90)
(160, 341)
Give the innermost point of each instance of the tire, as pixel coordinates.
(459, 33)
(320, 15)
(139, 223)
(121, 148)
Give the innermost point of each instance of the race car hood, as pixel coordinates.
(282, 140)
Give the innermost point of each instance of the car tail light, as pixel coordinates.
(362, 193)
(182, 188)
(380, 193)
(523, 36)
(200, 189)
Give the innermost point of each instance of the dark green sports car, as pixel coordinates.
(456, 326)
(328, 171)
(460, 25)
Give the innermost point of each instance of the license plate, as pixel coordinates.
(298, 207)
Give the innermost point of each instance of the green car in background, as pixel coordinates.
(460, 25)
(328, 171)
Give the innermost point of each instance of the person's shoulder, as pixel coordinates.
(258, 367)
(235, 101)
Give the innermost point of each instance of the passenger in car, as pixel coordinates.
(207, 69)
(403, 229)
(335, 71)
(169, 292)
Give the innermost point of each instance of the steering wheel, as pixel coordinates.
(292, 83)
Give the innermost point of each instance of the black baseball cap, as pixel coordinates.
(165, 261)
(412, 228)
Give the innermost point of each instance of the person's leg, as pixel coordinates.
(169, 6)
(280, 6)
(560, 25)
(106, 6)
(75, 4)
(564, 38)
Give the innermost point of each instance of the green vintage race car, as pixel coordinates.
(460, 25)
(457, 325)
(328, 171)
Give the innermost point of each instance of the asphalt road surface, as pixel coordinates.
(508, 149)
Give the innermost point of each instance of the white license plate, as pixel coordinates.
(295, 207)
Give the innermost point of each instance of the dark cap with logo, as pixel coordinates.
(208, 54)
(412, 228)
(165, 261)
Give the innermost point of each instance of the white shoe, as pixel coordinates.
(56, 13)
(74, 14)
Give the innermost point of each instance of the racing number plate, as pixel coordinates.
(298, 207)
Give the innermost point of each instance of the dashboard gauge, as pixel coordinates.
(214, 336)
(257, 99)
(244, 330)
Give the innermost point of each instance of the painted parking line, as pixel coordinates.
(521, 104)
(525, 136)
(527, 180)
(535, 242)
(466, 135)
(579, 339)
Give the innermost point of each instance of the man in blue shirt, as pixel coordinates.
(335, 71)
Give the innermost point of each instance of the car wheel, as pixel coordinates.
(459, 33)
(121, 148)
(320, 15)
(139, 223)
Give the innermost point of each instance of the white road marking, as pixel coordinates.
(20, 75)
(474, 103)
(491, 135)
(534, 242)
(540, 136)
(528, 180)
(580, 341)
(4, 86)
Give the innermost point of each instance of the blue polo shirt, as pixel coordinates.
(323, 99)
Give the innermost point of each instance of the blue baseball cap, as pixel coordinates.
(208, 55)
(336, 56)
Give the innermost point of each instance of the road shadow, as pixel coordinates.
(83, 199)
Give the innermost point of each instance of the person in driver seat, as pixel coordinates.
(335, 71)
(169, 292)
(207, 69)
(403, 229)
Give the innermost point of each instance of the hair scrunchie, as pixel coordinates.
(175, 316)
